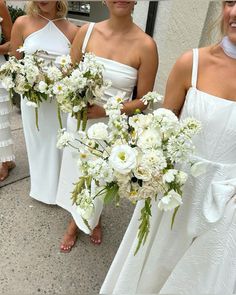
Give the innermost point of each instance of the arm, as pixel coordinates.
(6, 27)
(146, 76)
(178, 83)
(17, 37)
(76, 48)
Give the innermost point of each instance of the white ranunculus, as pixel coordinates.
(149, 139)
(98, 131)
(123, 158)
(198, 168)
(143, 172)
(43, 87)
(170, 201)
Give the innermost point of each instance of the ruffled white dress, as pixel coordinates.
(43, 155)
(123, 78)
(199, 255)
(6, 141)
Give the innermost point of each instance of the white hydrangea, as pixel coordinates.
(64, 138)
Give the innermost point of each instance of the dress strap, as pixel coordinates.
(87, 36)
(51, 20)
(195, 67)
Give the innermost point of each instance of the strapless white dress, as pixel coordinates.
(123, 78)
(6, 141)
(44, 158)
(198, 255)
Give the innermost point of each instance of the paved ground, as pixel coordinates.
(30, 261)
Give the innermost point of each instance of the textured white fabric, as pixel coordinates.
(198, 255)
(123, 78)
(6, 141)
(44, 157)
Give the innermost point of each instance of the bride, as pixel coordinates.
(198, 255)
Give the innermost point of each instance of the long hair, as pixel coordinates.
(61, 6)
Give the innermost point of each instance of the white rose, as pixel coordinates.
(123, 158)
(98, 131)
(170, 201)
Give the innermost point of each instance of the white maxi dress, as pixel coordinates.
(123, 78)
(198, 256)
(43, 155)
(6, 141)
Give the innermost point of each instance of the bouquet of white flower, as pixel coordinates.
(133, 158)
(84, 85)
(33, 77)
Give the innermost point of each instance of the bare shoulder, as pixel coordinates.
(184, 62)
(23, 21)
(147, 43)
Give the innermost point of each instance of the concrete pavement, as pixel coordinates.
(30, 233)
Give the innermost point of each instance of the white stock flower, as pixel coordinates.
(7, 83)
(170, 201)
(64, 138)
(123, 158)
(169, 176)
(181, 177)
(85, 206)
(98, 131)
(152, 97)
(140, 121)
(54, 73)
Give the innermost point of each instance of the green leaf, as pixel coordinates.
(111, 194)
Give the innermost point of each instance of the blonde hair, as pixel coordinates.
(61, 6)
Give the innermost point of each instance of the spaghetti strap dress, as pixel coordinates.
(198, 254)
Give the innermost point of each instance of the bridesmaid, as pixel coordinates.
(198, 254)
(6, 143)
(43, 28)
(130, 58)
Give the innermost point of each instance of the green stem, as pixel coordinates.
(59, 116)
(78, 116)
(84, 118)
(37, 118)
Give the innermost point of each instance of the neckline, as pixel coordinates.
(211, 95)
(117, 62)
(51, 20)
(44, 27)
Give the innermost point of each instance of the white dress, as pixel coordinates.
(6, 142)
(199, 255)
(123, 78)
(44, 158)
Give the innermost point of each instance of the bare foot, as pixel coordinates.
(96, 236)
(5, 167)
(69, 238)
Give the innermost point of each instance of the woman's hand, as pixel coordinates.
(95, 112)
